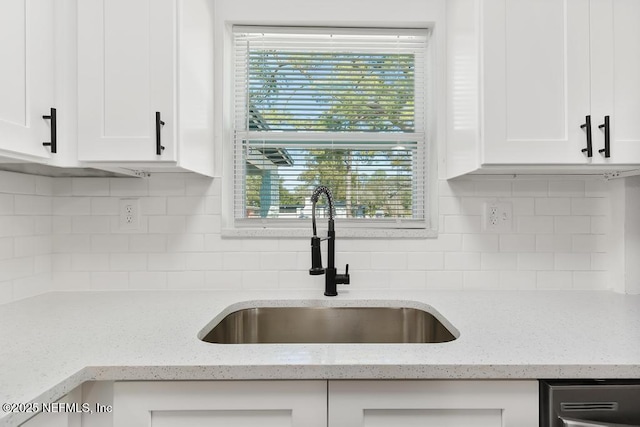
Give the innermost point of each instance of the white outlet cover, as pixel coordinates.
(498, 217)
(129, 214)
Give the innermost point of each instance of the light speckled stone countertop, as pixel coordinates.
(51, 343)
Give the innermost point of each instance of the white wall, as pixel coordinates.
(559, 240)
(25, 235)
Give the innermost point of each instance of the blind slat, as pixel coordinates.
(338, 109)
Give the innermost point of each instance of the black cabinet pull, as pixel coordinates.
(54, 140)
(159, 124)
(607, 138)
(587, 126)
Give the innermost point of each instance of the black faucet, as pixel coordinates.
(332, 278)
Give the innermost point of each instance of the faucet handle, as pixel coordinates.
(343, 279)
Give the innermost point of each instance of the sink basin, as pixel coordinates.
(263, 325)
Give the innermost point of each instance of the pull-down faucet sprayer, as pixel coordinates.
(331, 277)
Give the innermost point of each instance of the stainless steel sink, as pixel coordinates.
(262, 325)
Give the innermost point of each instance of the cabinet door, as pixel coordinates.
(615, 61)
(220, 403)
(126, 73)
(536, 81)
(26, 75)
(438, 403)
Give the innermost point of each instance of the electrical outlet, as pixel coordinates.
(498, 217)
(129, 214)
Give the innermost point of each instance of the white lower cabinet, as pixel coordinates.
(448, 403)
(350, 403)
(220, 403)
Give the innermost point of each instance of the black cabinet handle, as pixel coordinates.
(159, 124)
(607, 138)
(587, 126)
(54, 140)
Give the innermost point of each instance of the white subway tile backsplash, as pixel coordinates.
(182, 280)
(535, 261)
(172, 185)
(64, 233)
(166, 262)
(89, 187)
(572, 224)
(128, 262)
(554, 280)
(589, 206)
(425, 261)
(6, 247)
(109, 280)
(128, 187)
(589, 280)
(109, 243)
(451, 280)
(6, 204)
(481, 242)
(148, 243)
(517, 280)
(148, 280)
(260, 280)
(462, 224)
(72, 206)
(185, 243)
(71, 281)
(591, 243)
(17, 183)
(553, 243)
(572, 261)
(534, 224)
(499, 261)
(449, 206)
(89, 262)
(105, 206)
(185, 205)
(167, 224)
(153, 205)
(31, 205)
(70, 243)
(517, 243)
(90, 224)
(205, 261)
(567, 188)
(481, 280)
(494, 188)
(388, 261)
(553, 206)
(531, 188)
(462, 261)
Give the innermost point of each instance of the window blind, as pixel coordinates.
(343, 108)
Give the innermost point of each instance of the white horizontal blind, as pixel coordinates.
(337, 107)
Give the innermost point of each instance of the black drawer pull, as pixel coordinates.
(587, 127)
(159, 124)
(607, 138)
(54, 140)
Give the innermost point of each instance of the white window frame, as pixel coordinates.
(432, 14)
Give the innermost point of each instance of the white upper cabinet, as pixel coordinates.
(126, 57)
(137, 61)
(527, 77)
(615, 65)
(26, 77)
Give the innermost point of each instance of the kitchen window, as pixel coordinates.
(345, 108)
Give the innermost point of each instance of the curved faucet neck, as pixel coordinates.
(314, 199)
